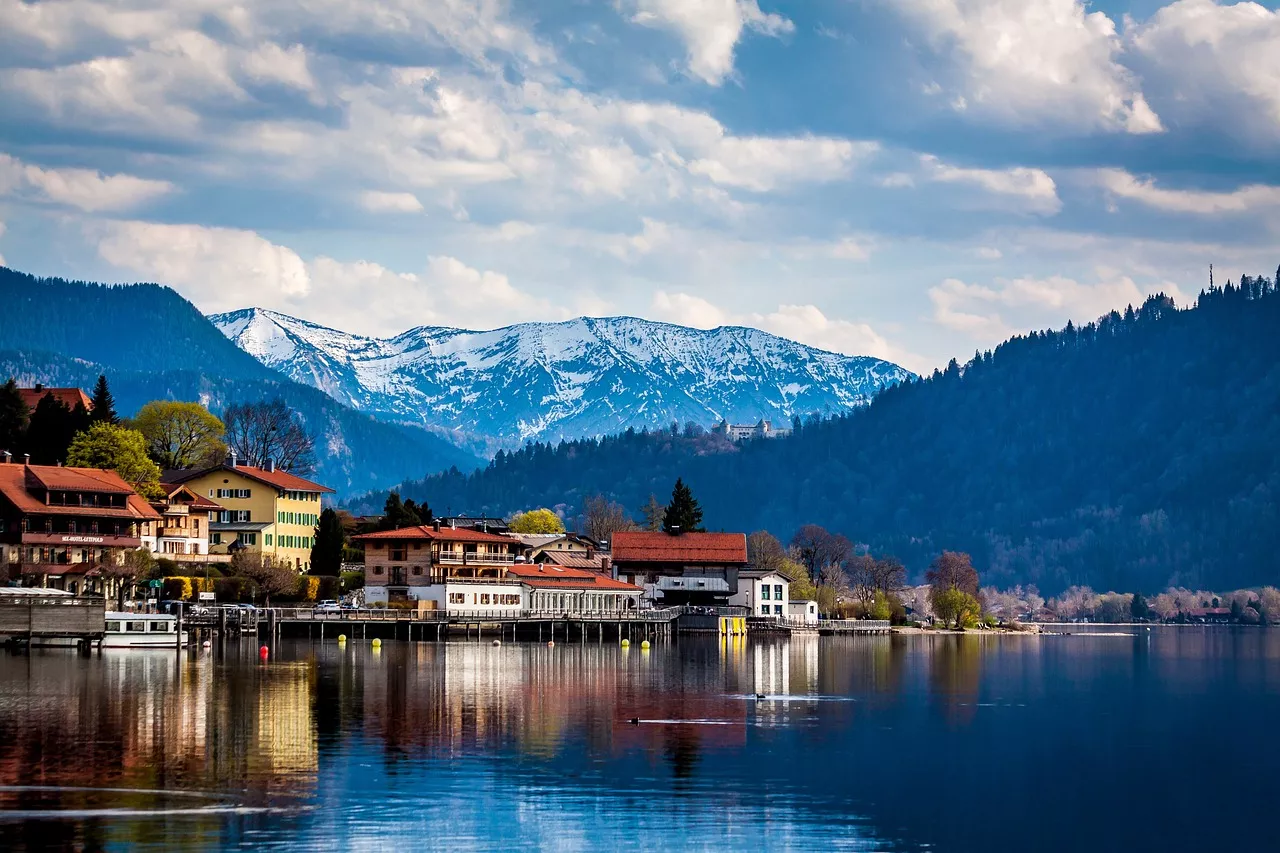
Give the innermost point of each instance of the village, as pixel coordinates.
(86, 532)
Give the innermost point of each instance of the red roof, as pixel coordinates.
(68, 396)
(546, 575)
(279, 479)
(16, 482)
(444, 534)
(574, 559)
(642, 546)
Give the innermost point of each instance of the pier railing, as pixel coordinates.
(390, 614)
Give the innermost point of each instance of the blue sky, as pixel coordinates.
(913, 179)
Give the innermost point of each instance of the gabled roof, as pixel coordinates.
(282, 480)
(573, 559)
(198, 501)
(444, 534)
(551, 576)
(67, 396)
(643, 546)
(17, 481)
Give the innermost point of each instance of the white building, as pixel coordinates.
(763, 592)
(183, 534)
(803, 611)
(744, 432)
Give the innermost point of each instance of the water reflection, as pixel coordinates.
(778, 743)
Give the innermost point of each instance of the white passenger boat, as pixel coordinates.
(141, 630)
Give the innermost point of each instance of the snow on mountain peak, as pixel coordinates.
(581, 377)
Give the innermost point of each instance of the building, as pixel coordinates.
(69, 397)
(455, 569)
(685, 568)
(563, 549)
(262, 509)
(742, 432)
(803, 611)
(763, 592)
(65, 528)
(182, 534)
(560, 589)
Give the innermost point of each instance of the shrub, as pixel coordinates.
(185, 588)
(308, 586)
(235, 589)
(351, 580)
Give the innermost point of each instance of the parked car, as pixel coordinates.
(327, 606)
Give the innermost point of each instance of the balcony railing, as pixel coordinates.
(468, 558)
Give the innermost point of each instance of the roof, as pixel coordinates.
(643, 546)
(198, 501)
(574, 559)
(444, 534)
(757, 574)
(237, 527)
(67, 396)
(17, 481)
(550, 576)
(536, 540)
(282, 480)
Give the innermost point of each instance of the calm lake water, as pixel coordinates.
(1160, 741)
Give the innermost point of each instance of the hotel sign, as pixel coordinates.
(80, 539)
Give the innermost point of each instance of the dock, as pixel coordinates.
(34, 616)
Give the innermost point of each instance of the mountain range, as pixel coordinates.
(550, 381)
(1131, 453)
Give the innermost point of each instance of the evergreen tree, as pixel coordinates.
(104, 405)
(326, 553)
(13, 418)
(420, 511)
(683, 514)
(51, 428)
(1138, 607)
(397, 514)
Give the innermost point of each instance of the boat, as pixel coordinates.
(141, 631)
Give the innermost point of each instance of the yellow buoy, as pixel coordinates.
(644, 644)
(377, 644)
(626, 644)
(342, 638)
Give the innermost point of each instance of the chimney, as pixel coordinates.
(26, 459)
(39, 387)
(231, 459)
(271, 466)
(675, 530)
(8, 457)
(435, 525)
(606, 564)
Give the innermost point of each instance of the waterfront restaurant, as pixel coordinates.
(62, 527)
(681, 568)
(446, 568)
(554, 588)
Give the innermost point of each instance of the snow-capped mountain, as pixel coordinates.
(562, 380)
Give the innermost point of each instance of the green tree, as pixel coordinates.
(119, 449)
(104, 405)
(683, 514)
(13, 418)
(956, 607)
(1138, 607)
(536, 521)
(331, 538)
(396, 514)
(1237, 610)
(180, 435)
(881, 607)
(51, 429)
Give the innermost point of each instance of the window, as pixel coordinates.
(484, 598)
(135, 627)
(113, 627)
(249, 538)
(457, 598)
(159, 627)
(764, 609)
(777, 592)
(777, 609)
(267, 539)
(417, 570)
(764, 592)
(215, 538)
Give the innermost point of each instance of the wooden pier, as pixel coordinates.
(32, 617)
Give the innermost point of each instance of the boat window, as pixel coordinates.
(135, 627)
(113, 626)
(159, 627)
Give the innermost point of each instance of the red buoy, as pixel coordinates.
(264, 652)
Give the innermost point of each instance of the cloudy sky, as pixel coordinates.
(913, 179)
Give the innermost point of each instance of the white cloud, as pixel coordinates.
(762, 164)
(710, 29)
(220, 269)
(84, 189)
(1032, 189)
(271, 63)
(1212, 64)
(1030, 62)
(375, 201)
(804, 323)
(1144, 190)
(990, 313)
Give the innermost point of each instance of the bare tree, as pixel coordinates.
(764, 551)
(132, 566)
(653, 512)
(816, 548)
(269, 431)
(601, 518)
(271, 576)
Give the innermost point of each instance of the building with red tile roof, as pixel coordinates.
(69, 397)
(411, 563)
(564, 589)
(183, 532)
(62, 527)
(685, 568)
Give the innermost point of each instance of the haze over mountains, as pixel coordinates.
(548, 381)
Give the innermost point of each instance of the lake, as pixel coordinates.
(1159, 740)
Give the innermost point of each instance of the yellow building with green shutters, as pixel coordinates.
(263, 509)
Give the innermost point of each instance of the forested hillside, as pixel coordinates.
(1133, 453)
(153, 345)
